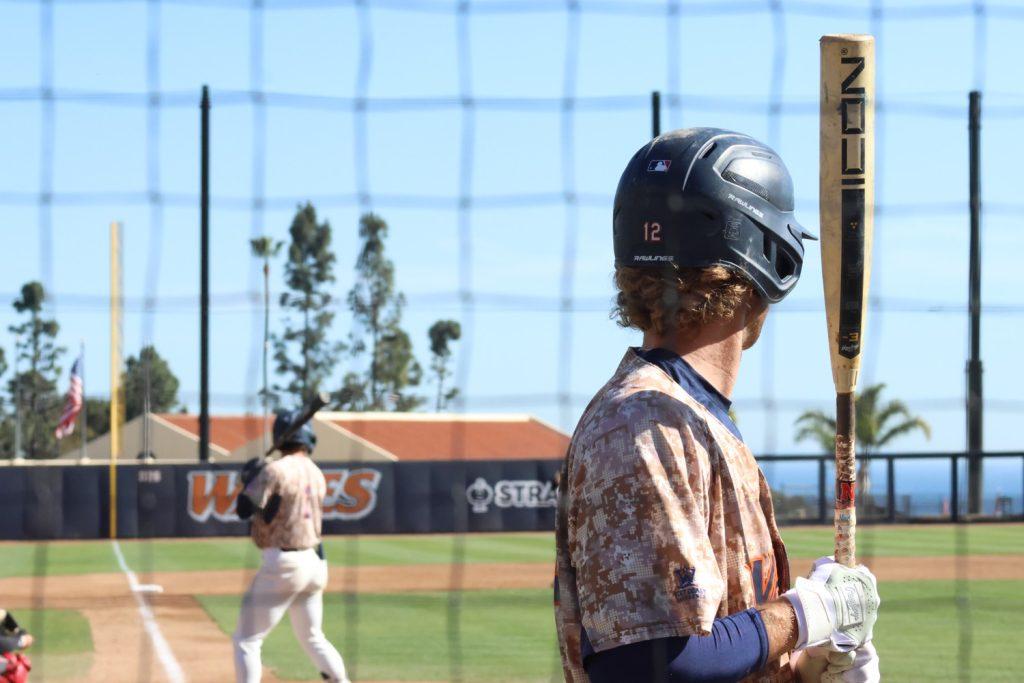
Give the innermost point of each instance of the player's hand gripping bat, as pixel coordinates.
(847, 202)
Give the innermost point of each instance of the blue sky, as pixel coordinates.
(728, 62)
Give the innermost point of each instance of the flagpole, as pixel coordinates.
(85, 407)
(17, 400)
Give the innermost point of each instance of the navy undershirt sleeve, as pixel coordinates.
(244, 507)
(273, 505)
(736, 647)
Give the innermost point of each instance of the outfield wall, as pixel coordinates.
(71, 501)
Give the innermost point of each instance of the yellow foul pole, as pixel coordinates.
(116, 390)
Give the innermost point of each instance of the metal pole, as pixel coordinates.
(974, 392)
(204, 278)
(116, 385)
(17, 399)
(655, 114)
(266, 349)
(822, 498)
(146, 408)
(85, 404)
(890, 487)
(954, 490)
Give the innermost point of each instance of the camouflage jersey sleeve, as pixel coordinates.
(638, 524)
(300, 485)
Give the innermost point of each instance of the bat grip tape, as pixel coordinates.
(846, 479)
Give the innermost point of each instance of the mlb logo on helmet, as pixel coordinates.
(659, 165)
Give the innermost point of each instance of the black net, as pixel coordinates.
(488, 218)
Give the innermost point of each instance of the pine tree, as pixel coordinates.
(163, 395)
(377, 314)
(441, 334)
(302, 352)
(163, 385)
(97, 417)
(34, 386)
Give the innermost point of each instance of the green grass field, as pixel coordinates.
(404, 637)
(918, 632)
(86, 557)
(509, 635)
(68, 651)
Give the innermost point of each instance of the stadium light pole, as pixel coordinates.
(204, 277)
(974, 392)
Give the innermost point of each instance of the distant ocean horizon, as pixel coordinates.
(922, 486)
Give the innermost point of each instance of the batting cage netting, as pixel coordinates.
(488, 136)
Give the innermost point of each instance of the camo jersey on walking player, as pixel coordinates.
(665, 521)
(301, 487)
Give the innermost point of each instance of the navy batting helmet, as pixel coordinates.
(700, 197)
(304, 436)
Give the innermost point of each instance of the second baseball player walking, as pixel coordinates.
(285, 501)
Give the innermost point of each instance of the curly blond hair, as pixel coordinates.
(663, 299)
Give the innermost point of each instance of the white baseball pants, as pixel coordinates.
(292, 581)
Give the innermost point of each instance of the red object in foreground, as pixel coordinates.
(18, 666)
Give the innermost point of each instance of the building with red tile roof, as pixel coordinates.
(342, 436)
(426, 436)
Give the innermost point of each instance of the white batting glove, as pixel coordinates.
(821, 665)
(836, 607)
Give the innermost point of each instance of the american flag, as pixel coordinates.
(72, 403)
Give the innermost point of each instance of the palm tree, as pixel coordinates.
(877, 425)
(265, 248)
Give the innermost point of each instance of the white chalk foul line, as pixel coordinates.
(171, 667)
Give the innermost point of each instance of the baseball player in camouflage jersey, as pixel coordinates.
(670, 566)
(285, 501)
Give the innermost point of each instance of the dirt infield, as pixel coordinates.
(123, 652)
(84, 591)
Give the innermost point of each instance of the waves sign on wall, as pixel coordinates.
(351, 494)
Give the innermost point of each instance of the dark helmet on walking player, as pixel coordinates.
(699, 197)
(304, 436)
